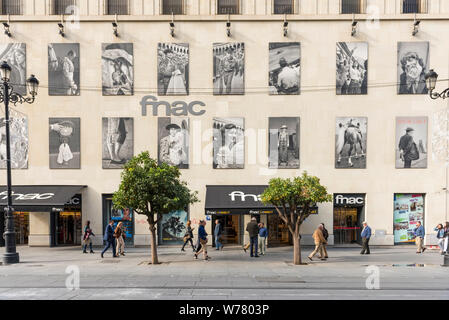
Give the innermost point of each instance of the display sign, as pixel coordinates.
(349, 199)
(126, 217)
(173, 227)
(408, 210)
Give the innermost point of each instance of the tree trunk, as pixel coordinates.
(296, 249)
(154, 259)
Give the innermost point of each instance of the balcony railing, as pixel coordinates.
(13, 7)
(228, 7)
(414, 6)
(117, 7)
(283, 7)
(351, 6)
(172, 6)
(64, 7)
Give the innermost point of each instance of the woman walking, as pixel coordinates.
(440, 236)
(86, 237)
(119, 235)
(188, 237)
(446, 238)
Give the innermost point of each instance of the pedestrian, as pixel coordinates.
(326, 236)
(446, 238)
(253, 230)
(202, 237)
(217, 233)
(440, 236)
(188, 237)
(119, 238)
(366, 235)
(318, 238)
(263, 233)
(109, 238)
(86, 237)
(419, 237)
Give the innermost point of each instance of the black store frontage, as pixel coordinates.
(61, 202)
(349, 213)
(235, 205)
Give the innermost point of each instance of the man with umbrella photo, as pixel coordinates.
(118, 75)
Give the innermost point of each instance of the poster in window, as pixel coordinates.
(173, 226)
(408, 210)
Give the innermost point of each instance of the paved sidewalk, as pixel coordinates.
(231, 274)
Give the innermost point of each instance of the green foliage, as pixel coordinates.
(150, 188)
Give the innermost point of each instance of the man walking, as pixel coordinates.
(319, 241)
(253, 230)
(263, 233)
(109, 238)
(419, 234)
(366, 235)
(217, 233)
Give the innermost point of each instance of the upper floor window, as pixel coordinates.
(414, 6)
(64, 7)
(11, 7)
(172, 6)
(352, 6)
(117, 7)
(228, 7)
(283, 7)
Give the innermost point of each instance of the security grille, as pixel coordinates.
(172, 6)
(64, 6)
(117, 7)
(283, 7)
(13, 7)
(228, 7)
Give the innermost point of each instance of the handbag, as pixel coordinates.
(203, 241)
(414, 153)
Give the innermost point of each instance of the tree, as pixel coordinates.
(153, 190)
(293, 200)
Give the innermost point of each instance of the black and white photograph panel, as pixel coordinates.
(228, 143)
(173, 137)
(64, 140)
(172, 69)
(284, 137)
(411, 142)
(117, 69)
(64, 69)
(19, 142)
(413, 64)
(15, 55)
(118, 142)
(284, 67)
(350, 142)
(352, 68)
(229, 68)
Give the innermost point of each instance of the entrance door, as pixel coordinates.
(22, 227)
(346, 225)
(278, 234)
(68, 228)
(231, 225)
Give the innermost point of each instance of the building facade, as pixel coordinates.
(273, 89)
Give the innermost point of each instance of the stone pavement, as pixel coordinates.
(231, 274)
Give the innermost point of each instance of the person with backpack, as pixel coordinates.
(86, 237)
(326, 236)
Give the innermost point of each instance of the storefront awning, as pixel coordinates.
(237, 200)
(39, 198)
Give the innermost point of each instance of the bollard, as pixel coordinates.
(446, 260)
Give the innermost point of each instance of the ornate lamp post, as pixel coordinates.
(431, 81)
(8, 95)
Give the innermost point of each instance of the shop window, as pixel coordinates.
(64, 7)
(125, 216)
(21, 227)
(173, 7)
(117, 7)
(352, 6)
(173, 227)
(283, 7)
(228, 7)
(414, 6)
(12, 7)
(408, 210)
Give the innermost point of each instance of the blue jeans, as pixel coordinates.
(253, 245)
(217, 242)
(108, 244)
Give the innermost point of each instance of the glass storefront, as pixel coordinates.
(346, 225)
(232, 228)
(172, 227)
(22, 227)
(125, 216)
(408, 210)
(278, 234)
(68, 228)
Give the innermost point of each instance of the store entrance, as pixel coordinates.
(231, 225)
(278, 234)
(21, 227)
(68, 228)
(347, 222)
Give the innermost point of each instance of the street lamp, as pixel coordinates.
(431, 81)
(8, 95)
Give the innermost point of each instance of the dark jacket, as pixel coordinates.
(253, 229)
(218, 230)
(189, 232)
(109, 233)
(202, 234)
(325, 233)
